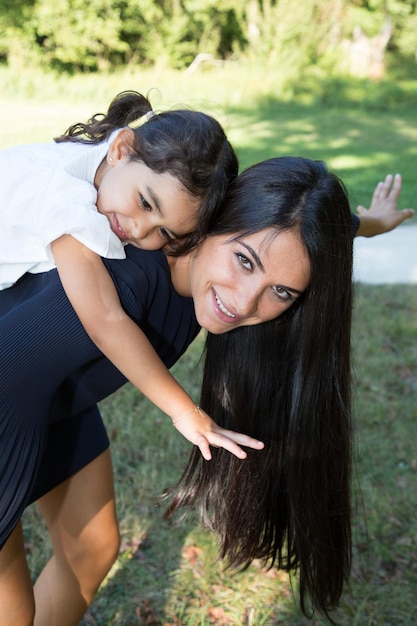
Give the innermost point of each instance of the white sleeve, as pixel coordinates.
(55, 203)
(71, 209)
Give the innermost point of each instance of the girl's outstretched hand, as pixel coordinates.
(202, 431)
(383, 214)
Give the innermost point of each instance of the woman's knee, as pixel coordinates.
(82, 520)
(95, 550)
(104, 546)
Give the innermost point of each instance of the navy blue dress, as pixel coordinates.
(52, 375)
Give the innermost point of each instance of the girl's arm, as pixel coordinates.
(95, 300)
(383, 214)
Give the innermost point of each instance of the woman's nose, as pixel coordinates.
(247, 301)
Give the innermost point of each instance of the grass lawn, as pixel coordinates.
(169, 574)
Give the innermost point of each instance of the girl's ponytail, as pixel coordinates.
(124, 109)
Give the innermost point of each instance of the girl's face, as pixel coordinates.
(144, 208)
(247, 281)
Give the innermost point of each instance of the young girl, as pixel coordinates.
(100, 186)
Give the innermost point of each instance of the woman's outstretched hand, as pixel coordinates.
(383, 214)
(202, 431)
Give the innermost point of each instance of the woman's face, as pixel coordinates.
(248, 280)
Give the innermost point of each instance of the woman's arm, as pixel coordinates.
(95, 300)
(383, 214)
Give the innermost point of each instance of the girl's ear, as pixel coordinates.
(122, 146)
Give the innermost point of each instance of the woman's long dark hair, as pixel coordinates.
(190, 145)
(287, 383)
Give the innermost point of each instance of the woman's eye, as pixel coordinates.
(282, 293)
(165, 234)
(145, 204)
(244, 261)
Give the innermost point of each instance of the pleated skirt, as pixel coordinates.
(41, 343)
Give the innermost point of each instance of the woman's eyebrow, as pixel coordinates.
(297, 291)
(261, 267)
(254, 254)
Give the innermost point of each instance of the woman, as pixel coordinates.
(281, 255)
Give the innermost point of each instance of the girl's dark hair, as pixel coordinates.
(190, 145)
(287, 383)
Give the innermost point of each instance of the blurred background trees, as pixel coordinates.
(351, 36)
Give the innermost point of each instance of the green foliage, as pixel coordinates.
(293, 35)
(13, 18)
(218, 27)
(143, 26)
(73, 34)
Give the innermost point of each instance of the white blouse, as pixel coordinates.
(47, 190)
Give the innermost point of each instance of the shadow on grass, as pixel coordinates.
(359, 143)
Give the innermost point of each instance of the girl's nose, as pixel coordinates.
(139, 231)
(150, 239)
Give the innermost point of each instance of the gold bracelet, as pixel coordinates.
(196, 409)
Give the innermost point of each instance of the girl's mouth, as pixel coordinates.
(118, 230)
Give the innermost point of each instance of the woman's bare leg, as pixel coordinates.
(17, 606)
(81, 518)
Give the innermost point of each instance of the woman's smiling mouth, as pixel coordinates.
(223, 309)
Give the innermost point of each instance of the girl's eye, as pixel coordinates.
(145, 204)
(282, 293)
(244, 261)
(165, 234)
